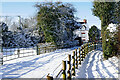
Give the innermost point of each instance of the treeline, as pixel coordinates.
(53, 23)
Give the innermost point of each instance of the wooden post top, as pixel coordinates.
(73, 53)
(64, 64)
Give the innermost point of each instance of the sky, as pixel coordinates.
(26, 9)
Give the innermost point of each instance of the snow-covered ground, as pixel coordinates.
(37, 66)
(95, 67)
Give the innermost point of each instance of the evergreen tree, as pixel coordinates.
(117, 12)
(117, 19)
(56, 21)
(94, 34)
(105, 12)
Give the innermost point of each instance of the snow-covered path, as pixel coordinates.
(39, 66)
(35, 66)
(94, 67)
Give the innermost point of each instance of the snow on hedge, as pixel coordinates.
(112, 27)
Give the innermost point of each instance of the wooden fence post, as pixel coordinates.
(91, 46)
(44, 49)
(81, 53)
(95, 45)
(76, 61)
(37, 50)
(73, 66)
(79, 61)
(64, 70)
(18, 53)
(49, 77)
(2, 55)
(87, 47)
(85, 52)
(50, 49)
(69, 67)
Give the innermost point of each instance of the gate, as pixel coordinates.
(14, 53)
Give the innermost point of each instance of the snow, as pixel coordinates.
(19, 39)
(37, 66)
(112, 27)
(95, 67)
(78, 24)
(107, 39)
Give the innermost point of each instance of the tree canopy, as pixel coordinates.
(94, 33)
(103, 10)
(56, 21)
(108, 12)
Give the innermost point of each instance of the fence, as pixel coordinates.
(69, 66)
(8, 53)
(45, 48)
(14, 53)
(1, 56)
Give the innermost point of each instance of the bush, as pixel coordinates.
(94, 34)
(110, 42)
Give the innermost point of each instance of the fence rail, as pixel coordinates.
(68, 67)
(44, 48)
(14, 53)
(8, 53)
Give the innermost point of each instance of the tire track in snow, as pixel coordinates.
(82, 70)
(97, 66)
(90, 65)
(94, 67)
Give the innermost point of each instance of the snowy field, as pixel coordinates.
(95, 67)
(37, 66)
